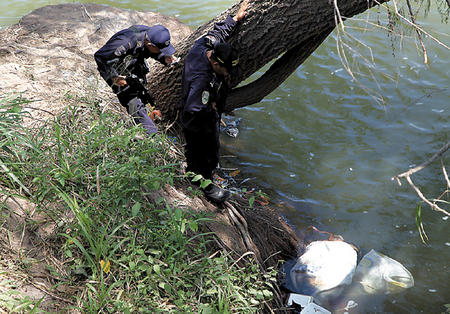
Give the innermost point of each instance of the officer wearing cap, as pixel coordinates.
(204, 90)
(121, 63)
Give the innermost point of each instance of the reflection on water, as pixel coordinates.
(327, 149)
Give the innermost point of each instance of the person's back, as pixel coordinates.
(121, 63)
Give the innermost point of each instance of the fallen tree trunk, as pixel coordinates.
(284, 31)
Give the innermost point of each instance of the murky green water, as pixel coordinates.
(326, 149)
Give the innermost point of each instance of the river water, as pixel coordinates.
(325, 149)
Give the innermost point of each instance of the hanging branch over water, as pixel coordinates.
(410, 172)
(413, 20)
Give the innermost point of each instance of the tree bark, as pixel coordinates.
(289, 30)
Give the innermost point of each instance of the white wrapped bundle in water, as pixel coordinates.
(324, 266)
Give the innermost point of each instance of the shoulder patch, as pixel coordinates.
(120, 50)
(205, 97)
(139, 44)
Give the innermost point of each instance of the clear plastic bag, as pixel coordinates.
(378, 273)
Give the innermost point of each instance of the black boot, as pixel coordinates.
(216, 194)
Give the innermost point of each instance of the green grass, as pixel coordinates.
(88, 172)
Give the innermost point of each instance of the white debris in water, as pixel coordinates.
(437, 111)
(418, 127)
(432, 290)
(350, 305)
(447, 243)
(445, 218)
(336, 71)
(292, 175)
(365, 212)
(351, 169)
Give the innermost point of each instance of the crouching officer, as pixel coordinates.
(121, 62)
(204, 92)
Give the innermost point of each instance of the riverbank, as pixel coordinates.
(95, 217)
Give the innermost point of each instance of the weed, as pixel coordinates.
(90, 174)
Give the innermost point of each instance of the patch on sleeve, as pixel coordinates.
(205, 97)
(120, 50)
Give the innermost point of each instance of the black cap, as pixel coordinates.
(225, 55)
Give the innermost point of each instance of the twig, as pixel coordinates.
(175, 120)
(272, 255)
(40, 109)
(51, 294)
(419, 28)
(420, 167)
(338, 15)
(21, 238)
(244, 255)
(413, 20)
(408, 174)
(445, 171)
(433, 206)
(98, 179)
(87, 13)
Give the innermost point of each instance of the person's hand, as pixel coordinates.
(119, 81)
(241, 12)
(168, 60)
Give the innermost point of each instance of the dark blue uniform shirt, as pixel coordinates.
(200, 84)
(128, 42)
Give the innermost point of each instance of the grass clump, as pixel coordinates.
(94, 177)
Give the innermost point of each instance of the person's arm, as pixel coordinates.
(117, 47)
(222, 30)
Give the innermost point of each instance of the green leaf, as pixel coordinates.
(197, 178)
(157, 269)
(419, 223)
(251, 201)
(211, 291)
(267, 293)
(205, 183)
(193, 226)
(178, 214)
(135, 210)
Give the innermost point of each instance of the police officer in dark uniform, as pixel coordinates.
(204, 91)
(121, 62)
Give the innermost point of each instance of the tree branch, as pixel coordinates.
(420, 167)
(413, 20)
(432, 205)
(410, 172)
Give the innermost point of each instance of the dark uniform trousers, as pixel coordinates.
(133, 99)
(201, 132)
(202, 87)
